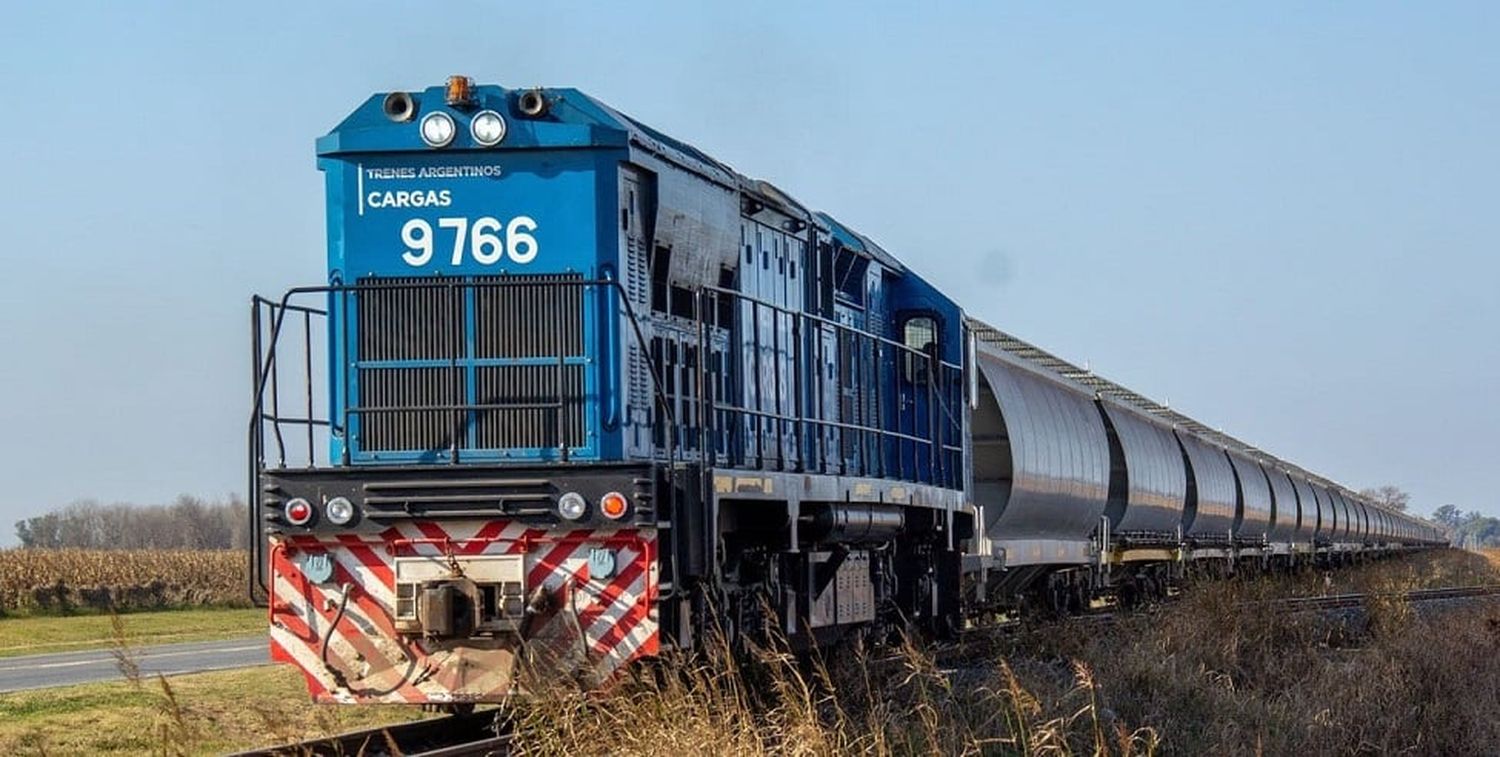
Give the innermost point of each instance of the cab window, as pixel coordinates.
(919, 333)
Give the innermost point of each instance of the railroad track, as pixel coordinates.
(1346, 604)
(478, 734)
(1333, 602)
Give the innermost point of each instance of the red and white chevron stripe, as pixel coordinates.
(593, 626)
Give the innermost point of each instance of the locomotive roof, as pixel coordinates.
(577, 119)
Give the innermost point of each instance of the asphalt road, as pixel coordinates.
(67, 668)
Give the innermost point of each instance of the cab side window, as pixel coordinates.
(919, 333)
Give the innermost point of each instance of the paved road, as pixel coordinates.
(67, 668)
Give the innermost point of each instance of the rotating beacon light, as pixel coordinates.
(460, 91)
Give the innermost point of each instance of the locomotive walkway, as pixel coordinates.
(68, 668)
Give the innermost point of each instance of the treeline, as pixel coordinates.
(1470, 529)
(187, 523)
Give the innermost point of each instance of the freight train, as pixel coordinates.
(574, 393)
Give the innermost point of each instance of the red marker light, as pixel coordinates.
(298, 512)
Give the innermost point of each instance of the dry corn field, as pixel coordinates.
(63, 580)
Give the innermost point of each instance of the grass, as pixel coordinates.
(1201, 675)
(69, 633)
(205, 713)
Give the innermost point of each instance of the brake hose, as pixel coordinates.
(338, 676)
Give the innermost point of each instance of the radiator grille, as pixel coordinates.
(417, 323)
(529, 320)
(408, 387)
(467, 344)
(529, 384)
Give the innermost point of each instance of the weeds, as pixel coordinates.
(127, 657)
(1203, 675)
(176, 735)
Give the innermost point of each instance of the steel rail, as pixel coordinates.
(1414, 596)
(478, 734)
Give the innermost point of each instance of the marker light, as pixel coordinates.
(298, 512)
(438, 129)
(340, 511)
(614, 505)
(571, 506)
(487, 128)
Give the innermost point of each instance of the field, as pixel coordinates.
(45, 581)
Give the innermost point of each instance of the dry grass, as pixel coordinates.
(68, 580)
(1201, 676)
(776, 705)
(1214, 678)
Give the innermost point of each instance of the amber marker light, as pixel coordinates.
(613, 505)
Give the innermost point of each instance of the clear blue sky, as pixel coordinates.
(1282, 218)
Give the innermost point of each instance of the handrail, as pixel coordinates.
(265, 355)
(941, 422)
(284, 305)
(809, 429)
(826, 322)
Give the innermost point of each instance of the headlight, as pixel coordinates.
(437, 129)
(298, 512)
(487, 128)
(571, 506)
(340, 511)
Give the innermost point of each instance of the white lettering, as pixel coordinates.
(403, 198)
(481, 238)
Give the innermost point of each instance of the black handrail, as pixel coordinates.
(937, 449)
(264, 376)
(711, 411)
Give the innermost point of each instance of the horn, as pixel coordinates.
(533, 103)
(399, 107)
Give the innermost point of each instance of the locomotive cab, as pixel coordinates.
(469, 416)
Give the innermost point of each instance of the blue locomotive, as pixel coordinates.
(573, 392)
